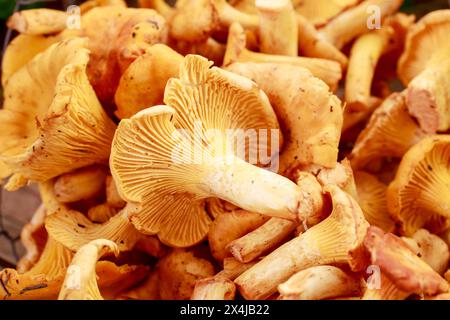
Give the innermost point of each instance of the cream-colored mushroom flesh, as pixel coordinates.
(166, 160)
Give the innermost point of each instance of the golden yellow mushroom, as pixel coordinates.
(210, 16)
(161, 6)
(419, 195)
(33, 237)
(51, 121)
(143, 82)
(355, 21)
(90, 4)
(229, 226)
(372, 199)
(38, 21)
(101, 213)
(318, 283)
(320, 12)
(278, 31)
(337, 239)
(390, 133)
(80, 282)
(81, 184)
(425, 67)
(327, 70)
(402, 271)
(21, 50)
(151, 168)
(310, 115)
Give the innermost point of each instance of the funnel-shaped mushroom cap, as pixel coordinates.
(21, 50)
(426, 45)
(372, 199)
(43, 280)
(80, 282)
(310, 115)
(117, 37)
(165, 162)
(52, 122)
(401, 266)
(74, 230)
(419, 196)
(390, 133)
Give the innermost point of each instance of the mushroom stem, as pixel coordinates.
(232, 268)
(80, 282)
(327, 70)
(428, 97)
(38, 21)
(214, 288)
(278, 30)
(262, 239)
(228, 15)
(311, 44)
(355, 21)
(328, 242)
(230, 179)
(364, 56)
(317, 283)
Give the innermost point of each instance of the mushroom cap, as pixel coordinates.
(118, 35)
(74, 230)
(52, 122)
(419, 195)
(382, 138)
(152, 158)
(401, 265)
(80, 282)
(143, 82)
(372, 199)
(310, 115)
(21, 50)
(426, 44)
(184, 27)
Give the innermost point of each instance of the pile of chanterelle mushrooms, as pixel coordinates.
(124, 124)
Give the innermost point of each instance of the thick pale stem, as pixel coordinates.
(278, 29)
(366, 52)
(311, 44)
(228, 14)
(261, 240)
(327, 70)
(358, 20)
(252, 188)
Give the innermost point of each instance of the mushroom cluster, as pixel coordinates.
(205, 150)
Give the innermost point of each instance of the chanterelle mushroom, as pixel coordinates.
(390, 133)
(419, 197)
(167, 160)
(52, 122)
(425, 68)
(310, 115)
(404, 270)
